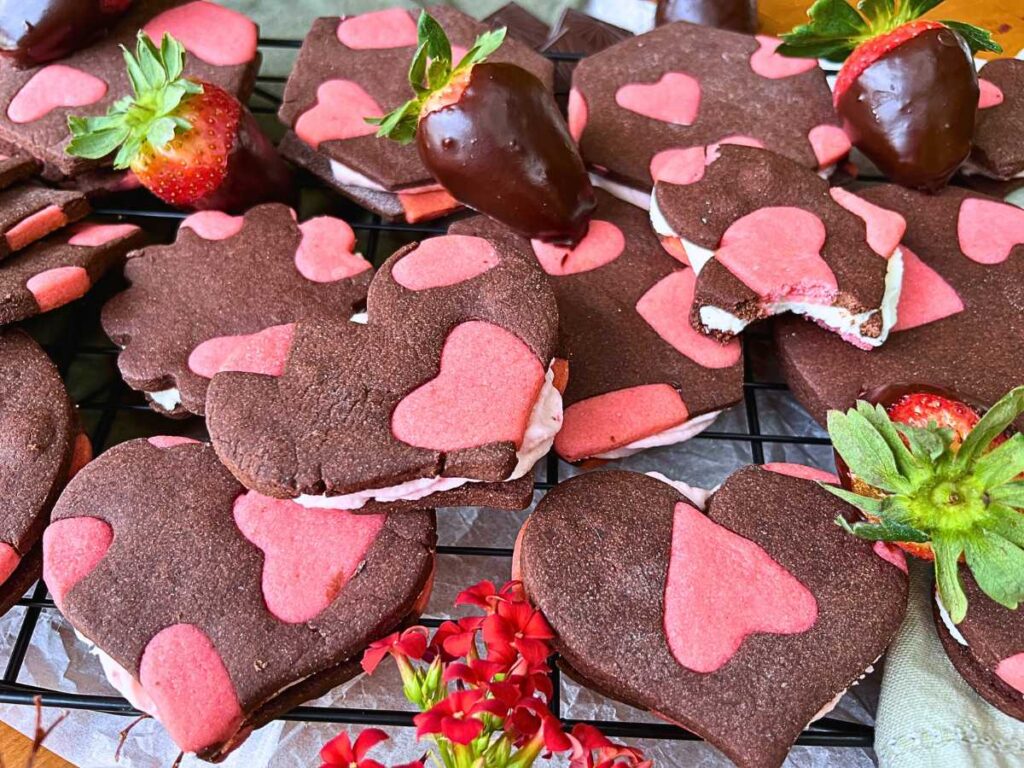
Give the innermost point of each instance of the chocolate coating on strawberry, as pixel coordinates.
(37, 31)
(734, 15)
(504, 150)
(913, 110)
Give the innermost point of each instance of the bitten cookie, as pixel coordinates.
(355, 67)
(987, 647)
(216, 610)
(636, 105)
(640, 375)
(61, 268)
(447, 394)
(223, 280)
(960, 318)
(742, 625)
(37, 101)
(40, 446)
(766, 236)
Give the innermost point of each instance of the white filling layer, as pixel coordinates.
(168, 399)
(623, 192)
(697, 255)
(973, 169)
(677, 434)
(838, 319)
(121, 679)
(948, 621)
(698, 496)
(1015, 198)
(349, 177)
(360, 317)
(545, 421)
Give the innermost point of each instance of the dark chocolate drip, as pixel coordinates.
(735, 15)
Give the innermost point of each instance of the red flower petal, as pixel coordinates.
(461, 731)
(367, 740)
(338, 751)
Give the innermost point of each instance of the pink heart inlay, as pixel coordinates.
(885, 228)
(391, 28)
(578, 114)
(891, 554)
(1011, 671)
(338, 114)
(170, 441)
(326, 253)
(603, 244)
(93, 235)
(53, 87)
(989, 230)
(776, 253)
(72, 548)
(35, 226)
(9, 561)
(991, 94)
(679, 166)
(666, 308)
(213, 225)
(675, 98)
(925, 297)
(774, 66)
(58, 286)
(721, 588)
(446, 260)
(830, 144)
(211, 32)
(265, 352)
(484, 393)
(186, 679)
(309, 554)
(714, 151)
(801, 471)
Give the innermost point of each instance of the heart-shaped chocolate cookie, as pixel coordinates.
(767, 236)
(226, 277)
(215, 609)
(742, 625)
(444, 395)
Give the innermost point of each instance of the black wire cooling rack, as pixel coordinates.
(112, 413)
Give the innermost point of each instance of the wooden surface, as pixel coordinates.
(1003, 17)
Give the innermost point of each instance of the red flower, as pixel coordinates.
(455, 717)
(476, 674)
(515, 628)
(514, 688)
(485, 595)
(455, 639)
(410, 644)
(339, 752)
(530, 718)
(587, 740)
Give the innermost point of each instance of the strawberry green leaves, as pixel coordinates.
(432, 71)
(920, 487)
(149, 117)
(835, 28)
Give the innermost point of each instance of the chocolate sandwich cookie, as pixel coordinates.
(37, 101)
(767, 236)
(987, 647)
(61, 268)
(742, 625)
(38, 438)
(215, 609)
(641, 376)
(580, 34)
(447, 396)
(638, 105)
(29, 212)
(521, 25)
(16, 166)
(960, 317)
(223, 280)
(356, 67)
(996, 165)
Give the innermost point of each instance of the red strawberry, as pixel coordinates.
(940, 479)
(492, 135)
(191, 143)
(908, 90)
(43, 30)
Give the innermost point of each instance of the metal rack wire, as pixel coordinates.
(112, 413)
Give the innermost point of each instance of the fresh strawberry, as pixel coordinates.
(37, 31)
(941, 480)
(908, 89)
(492, 135)
(191, 143)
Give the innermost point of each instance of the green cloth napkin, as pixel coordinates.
(928, 716)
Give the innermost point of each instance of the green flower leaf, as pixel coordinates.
(95, 145)
(1007, 522)
(1011, 494)
(908, 465)
(947, 576)
(865, 451)
(432, 36)
(992, 424)
(998, 566)
(882, 531)
(484, 46)
(977, 39)
(926, 444)
(834, 29)
(1002, 464)
(865, 504)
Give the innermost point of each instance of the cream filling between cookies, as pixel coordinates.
(697, 255)
(698, 496)
(677, 434)
(623, 192)
(349, 177)
(973, 169)
(168, 399)
(545, 421)
(948, 621)
(120, 679)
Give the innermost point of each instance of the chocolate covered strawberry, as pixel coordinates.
(944, 481)
(737, 15)
(908, 90)
(492, 135)
(37, 31)
(191, 143)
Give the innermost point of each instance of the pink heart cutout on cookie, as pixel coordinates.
(578, 114)
(443, 261)
(338, 114)
(1011, 671)
(926, 296)
(309, 554)
(73, 548)
(603, 244)
(991, 94)
(327, 251)
(378, 30)
(211, 32)
(264, 352)
(487, 386)
(675, 98)
(885, 228)
(213, 225)
(721, 588)
(58, 286)
(830, 144)
(774, 66)
(53, 87)
(989, 230)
